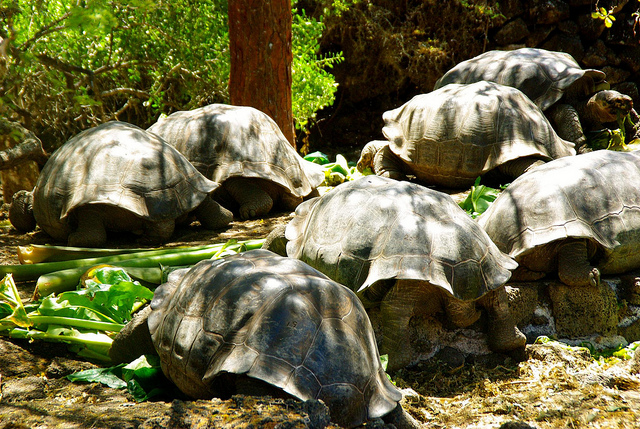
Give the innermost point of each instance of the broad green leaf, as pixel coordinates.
(317, 158)
(12, 311)
(111, 376)
(479, 199)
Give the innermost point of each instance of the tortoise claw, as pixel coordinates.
(594, 277)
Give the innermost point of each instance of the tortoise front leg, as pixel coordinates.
(157, 232)
(502, 332)
(566, 122)
(574, 268)
(252, 199)
(404, 299)
(91, 230)
(396, 310)
(212, 215)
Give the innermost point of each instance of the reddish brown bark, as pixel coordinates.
(260, 46)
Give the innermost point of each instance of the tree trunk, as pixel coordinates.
(260, 46)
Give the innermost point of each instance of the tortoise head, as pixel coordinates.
(610, 105)
(21, 211)
(368, 154)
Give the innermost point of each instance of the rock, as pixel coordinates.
(598, 55)
(568, 43)
(589, 28)
(615, 75)
(584, 311)
(557, 353)
(630, 56)
(617, 5)
(548, 11)
(511, 8)
(539, 35)
(513, 32)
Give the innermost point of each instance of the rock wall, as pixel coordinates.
(568, 26)
(394, 50)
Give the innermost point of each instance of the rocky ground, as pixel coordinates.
(551, 386)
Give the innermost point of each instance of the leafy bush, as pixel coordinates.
(68, 65)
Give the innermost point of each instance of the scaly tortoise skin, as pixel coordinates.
(257, 319)
(409, 249)
(451, 136)
(579, 217)
(554, 82)
(118, 177)
(243, 149)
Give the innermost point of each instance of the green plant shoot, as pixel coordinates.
(479, 199)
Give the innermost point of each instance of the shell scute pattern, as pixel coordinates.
(273, 319)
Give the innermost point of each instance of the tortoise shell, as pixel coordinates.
(120, 165)
(224, 141)
(451, 136)
(593, 196)
(541, 75)
(274, 319)
(375, 229)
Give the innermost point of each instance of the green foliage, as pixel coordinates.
(313, 87)
(142, 378)
(81, 318)
(613, 139)
(605, 15)
(479, 199)
(336, 172)
(71, 65)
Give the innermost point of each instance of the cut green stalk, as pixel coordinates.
(78, 323)
(38, 253)
(93, 339)
(67, 279)
(33, 271)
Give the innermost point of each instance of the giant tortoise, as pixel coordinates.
(409, 249)
(578, 216)
(243, 149)
(451, 136)
(257, 322)
(554, 82)
(116, 177)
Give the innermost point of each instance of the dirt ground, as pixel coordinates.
(553, 387)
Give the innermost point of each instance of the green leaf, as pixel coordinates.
(143, 377)
(318, 158)
(111, 376)
(342, 162)
(12, 311)
(479, 199)
(384, 361)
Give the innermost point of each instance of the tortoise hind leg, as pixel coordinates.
(252, 199)
(503, 334)
(574, 268)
